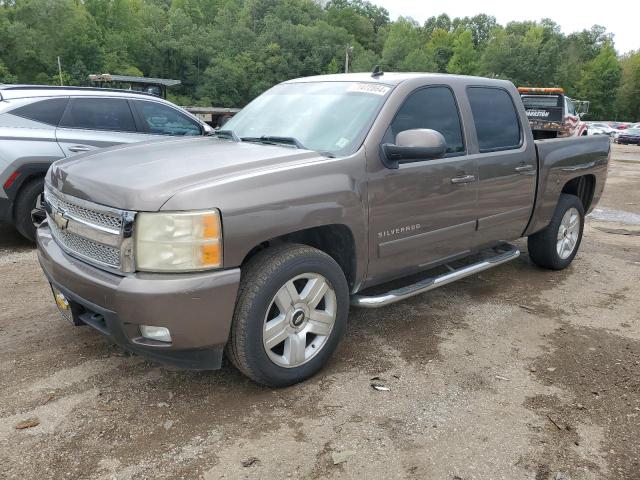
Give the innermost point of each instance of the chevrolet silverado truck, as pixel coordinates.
(322, 193)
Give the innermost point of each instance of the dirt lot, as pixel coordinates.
(517, 373)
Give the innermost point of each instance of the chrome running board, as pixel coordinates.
(503, 253)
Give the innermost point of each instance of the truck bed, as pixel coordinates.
(559, 161)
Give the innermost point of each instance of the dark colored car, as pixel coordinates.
(631, 136)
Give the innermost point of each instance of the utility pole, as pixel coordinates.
(60, 70)
(346, 59)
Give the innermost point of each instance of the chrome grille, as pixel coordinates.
(94, 233)
(85, 248)
(103, 219)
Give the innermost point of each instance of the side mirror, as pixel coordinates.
(208, 129)
(414, 146)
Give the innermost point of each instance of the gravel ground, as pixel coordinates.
(516, 373)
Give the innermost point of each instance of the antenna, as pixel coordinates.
(377, 72)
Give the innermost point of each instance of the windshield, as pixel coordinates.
(541, 100)
(329, 117)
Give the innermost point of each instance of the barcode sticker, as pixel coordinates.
(373, 88)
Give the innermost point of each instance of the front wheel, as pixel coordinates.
(28, 211)
(556, 246)
(291, 311)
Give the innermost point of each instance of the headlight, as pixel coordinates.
(178, 241)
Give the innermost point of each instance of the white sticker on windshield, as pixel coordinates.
(343, 142)
(373, 88)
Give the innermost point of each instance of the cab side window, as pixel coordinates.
(434, 108)
(495, 118)
(111, 114)
(159, 119)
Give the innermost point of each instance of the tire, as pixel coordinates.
(266, 275)
(545, 249)
(25, 204)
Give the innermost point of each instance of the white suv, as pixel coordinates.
(41, 124)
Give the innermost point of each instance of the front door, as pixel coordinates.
(422, 212)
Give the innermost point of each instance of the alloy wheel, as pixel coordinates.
(568, 233)
(299, 320)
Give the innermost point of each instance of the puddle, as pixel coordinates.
(611, 215)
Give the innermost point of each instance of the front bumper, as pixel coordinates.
(196, 308)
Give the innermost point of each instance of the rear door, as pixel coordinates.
(507, 165)
(96, 122)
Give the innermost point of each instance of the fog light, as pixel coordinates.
(161, 334)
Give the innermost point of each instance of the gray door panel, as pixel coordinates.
(74, 141)
(422, 212)
(417, 216)
(506, 193)
(31, 142)
(507, 165)
(89, 123)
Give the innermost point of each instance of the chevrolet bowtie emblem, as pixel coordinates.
(59, 219)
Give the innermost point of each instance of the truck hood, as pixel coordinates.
(143, 176)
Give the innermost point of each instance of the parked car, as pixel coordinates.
(41, 124)
(631, 136)
(616, 134)
(600, 129)
(258, 239)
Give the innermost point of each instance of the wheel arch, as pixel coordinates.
(583, 187)
(27, 173)
(336, 240)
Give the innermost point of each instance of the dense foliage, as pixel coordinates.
(228, 51)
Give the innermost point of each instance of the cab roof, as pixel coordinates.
(396, 78)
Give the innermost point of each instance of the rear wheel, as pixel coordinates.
(28, 211)
(556, 246)
(291, 311)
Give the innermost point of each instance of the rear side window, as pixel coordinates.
(44, 111)
(434, 108)
(495, 117)
(160, 119)
(99, 114)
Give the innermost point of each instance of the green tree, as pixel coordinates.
(600, 82)
(440, 49)
(403, 40)
(465, 58)
(481, 26)
(5, 75)
(226, 52)
(629, 97)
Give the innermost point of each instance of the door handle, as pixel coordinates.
(463, 179)
(79, 148)
(524, 168)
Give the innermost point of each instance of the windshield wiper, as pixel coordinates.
(274, 140)
(230, 134)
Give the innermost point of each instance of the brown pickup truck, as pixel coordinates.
(254, 242)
